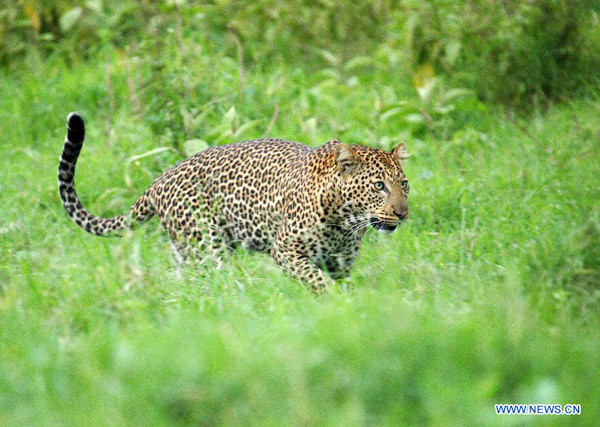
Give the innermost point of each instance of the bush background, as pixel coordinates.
(489, 294)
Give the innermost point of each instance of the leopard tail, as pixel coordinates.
(141, 210)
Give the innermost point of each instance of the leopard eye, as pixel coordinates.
(379, 185)
(404, 184)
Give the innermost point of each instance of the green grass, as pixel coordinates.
(489, 294)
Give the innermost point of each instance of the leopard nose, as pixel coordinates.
(401, 215)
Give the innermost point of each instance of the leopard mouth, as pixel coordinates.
(382, 227)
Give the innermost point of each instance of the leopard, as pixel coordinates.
(308, 207)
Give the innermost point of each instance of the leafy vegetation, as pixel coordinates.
(488, 294)
(516, 52)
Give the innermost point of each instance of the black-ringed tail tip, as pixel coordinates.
(75, 128)
(140, 211)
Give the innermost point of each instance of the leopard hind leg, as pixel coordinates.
(199, 244)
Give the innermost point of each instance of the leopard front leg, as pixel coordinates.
(339, 263)
(300, 267)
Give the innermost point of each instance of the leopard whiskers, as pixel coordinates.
(356, 228)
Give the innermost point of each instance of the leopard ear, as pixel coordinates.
(346, 158)
(400, 152)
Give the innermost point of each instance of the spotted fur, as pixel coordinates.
(308, 208)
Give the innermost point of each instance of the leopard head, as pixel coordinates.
(373, 184)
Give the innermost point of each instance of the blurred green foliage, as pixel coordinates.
(513, 52)
(506, 50)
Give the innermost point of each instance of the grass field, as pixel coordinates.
(488, 294)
